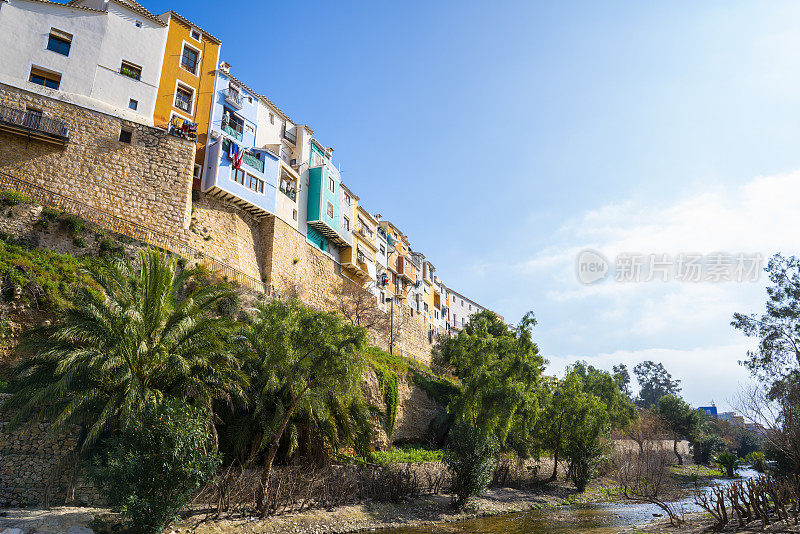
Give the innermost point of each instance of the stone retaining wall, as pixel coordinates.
(35, 462)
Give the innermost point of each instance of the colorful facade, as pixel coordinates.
(234, 169)
(116, 57)
(186, 87)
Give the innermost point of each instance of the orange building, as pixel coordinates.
(186, 88)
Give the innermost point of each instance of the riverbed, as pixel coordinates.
(567, 519)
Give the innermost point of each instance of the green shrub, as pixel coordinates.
(388, 382)
(48, 215)
(728, 462)
(58, 275)
(12, 198)
(406, 454)
(471, 459)
(108, 247)
(756, 461)
(73, 224)
(79, 242)
(150, 470)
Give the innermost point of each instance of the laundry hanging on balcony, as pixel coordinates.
(236, 155)
(391, 239)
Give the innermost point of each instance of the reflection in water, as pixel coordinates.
(573, 519)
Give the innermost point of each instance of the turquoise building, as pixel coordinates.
(324, 193)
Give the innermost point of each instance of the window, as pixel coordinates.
(189, 59)
(233, 121)
(130, 70)
(347, 198)
(346, 223)
(426, 306)
(329, 210)
(138, 23)
(183, 98)
(294, 214)
(59, 42)
(198, 169)
(383, 250)
(462, 302)
(470, 307)
(125, 135)
(435, 314)
(43, 77)
(331, 184)
(196, 35)
(255, 184)
(454, 298)
(272, 118)
(238, 176)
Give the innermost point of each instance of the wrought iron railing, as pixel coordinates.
(34, 121)
(130, 229)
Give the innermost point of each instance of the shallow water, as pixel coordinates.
(571, 519)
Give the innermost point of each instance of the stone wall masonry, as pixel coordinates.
(292, 266)
(147, 181)
(226, 233)
(415, 411)
(35, 462)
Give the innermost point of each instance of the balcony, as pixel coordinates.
(233, 97)
(289, 192)
(33, 124)
(290, 135)
(251, 161)
(233, 133)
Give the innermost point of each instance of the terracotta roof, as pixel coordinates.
(192, 24)
(69, 6)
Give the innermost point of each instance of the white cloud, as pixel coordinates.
(684, 325)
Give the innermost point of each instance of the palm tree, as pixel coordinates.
(139, 336)
(304, 370)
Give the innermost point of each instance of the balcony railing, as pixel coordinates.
(234, 98)
(291, 193)
(254, 162)
(34, 122)
(233, 133)
(289, 135)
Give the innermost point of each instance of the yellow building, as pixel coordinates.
(186, 88)
(359, 259)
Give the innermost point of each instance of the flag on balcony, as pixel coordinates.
(236, 155)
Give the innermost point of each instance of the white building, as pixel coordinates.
(460, 308)
(103, 55)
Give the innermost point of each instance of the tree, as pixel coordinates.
(777, 330)
(776, 362)
(471, 459)
(654, 383)
(153, 466)
(144, 336)
(623, 379)
(301, 361)
(499, 369)
(680, 419)
(647, 427)
(359, 306)
(582, 409)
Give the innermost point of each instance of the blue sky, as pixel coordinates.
(503, 138)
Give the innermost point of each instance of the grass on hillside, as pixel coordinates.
(47, 279)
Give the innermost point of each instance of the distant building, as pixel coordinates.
(709, 410)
